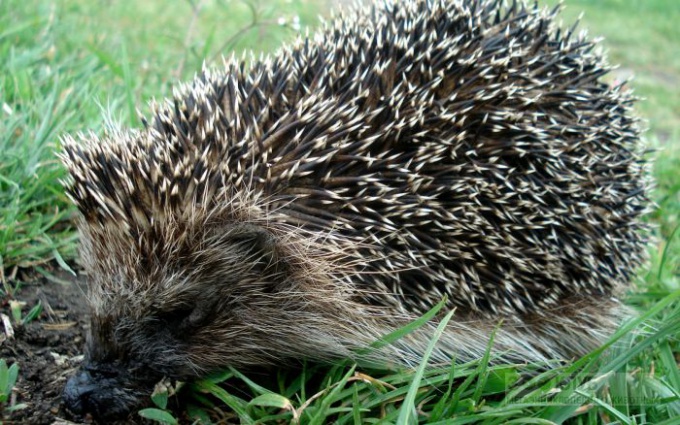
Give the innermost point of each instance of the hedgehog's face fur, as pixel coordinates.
(168, 307)
(185, 310)
(178, 313)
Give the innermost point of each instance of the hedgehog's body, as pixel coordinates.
(312, 202)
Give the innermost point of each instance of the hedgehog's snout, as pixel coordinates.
(77, 393)
(102, 397)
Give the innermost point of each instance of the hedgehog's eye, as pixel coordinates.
(175, 318)
(200, 315)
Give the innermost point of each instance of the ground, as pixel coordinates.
(48, 350)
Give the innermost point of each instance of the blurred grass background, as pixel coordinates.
(65, 65)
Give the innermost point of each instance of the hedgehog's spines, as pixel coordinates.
(456, 148)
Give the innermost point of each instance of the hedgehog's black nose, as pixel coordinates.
(78, 392)
(102, 396)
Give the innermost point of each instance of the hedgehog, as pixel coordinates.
(305, 204)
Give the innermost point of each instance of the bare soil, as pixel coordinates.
(47, 350)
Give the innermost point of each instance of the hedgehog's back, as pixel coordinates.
(460, 151)
(440, 148)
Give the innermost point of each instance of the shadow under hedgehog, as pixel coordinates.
(306, 204)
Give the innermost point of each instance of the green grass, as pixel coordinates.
(64, 65)
(620, 389)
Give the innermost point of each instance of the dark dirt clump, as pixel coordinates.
(47, 349)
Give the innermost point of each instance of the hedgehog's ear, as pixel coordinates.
(251, 235)
(258, 243)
